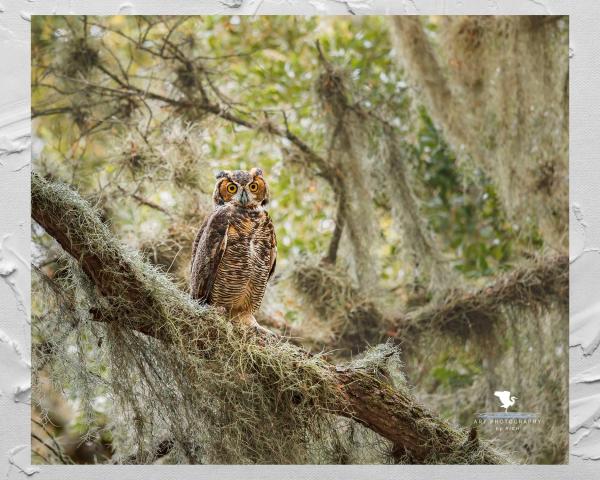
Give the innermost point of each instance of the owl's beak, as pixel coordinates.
(244, 199)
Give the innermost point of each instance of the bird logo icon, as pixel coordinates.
(505, 399)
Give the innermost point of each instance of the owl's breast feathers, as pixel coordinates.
(233, 258)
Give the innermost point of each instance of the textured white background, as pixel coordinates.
(584, 232)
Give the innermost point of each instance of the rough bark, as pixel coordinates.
(417, 435)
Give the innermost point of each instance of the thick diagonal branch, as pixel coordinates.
(119, 275)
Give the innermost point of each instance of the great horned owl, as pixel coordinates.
(234, 252)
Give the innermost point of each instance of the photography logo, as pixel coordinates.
(507, 421)
(506, 399)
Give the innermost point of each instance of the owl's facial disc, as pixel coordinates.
(241, 188)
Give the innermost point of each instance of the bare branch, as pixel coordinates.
(145, 201)
(334, 243)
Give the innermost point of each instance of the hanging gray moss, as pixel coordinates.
(369, 153)
(538, 286)
(349, 155)
(226, 401)
(500, 325)
(418, 241)
(222, 409)
(498, 88)
(330, 294)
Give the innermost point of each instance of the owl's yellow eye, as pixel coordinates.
(253, 187)
(232, 188)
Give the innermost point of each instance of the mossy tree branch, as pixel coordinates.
(539, 285)
(122, 278)
(542, 284)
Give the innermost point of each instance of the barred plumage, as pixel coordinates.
(235, 250)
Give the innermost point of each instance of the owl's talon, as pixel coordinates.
(262, 330)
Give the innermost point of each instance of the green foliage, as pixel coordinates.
(463, 207)
(266, 65)
(454, 372)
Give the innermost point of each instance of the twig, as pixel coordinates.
(334, 243)
(146, 202)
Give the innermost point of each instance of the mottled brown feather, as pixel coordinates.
(234, 256)
(209, 248)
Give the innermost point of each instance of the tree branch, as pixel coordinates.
(334, 243)
(542, 284)
(392, 412)
(144, 201)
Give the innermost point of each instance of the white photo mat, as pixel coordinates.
(15, 152)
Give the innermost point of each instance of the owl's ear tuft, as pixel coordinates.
(221, 174)
(256, 171)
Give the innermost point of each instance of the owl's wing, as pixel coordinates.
(209, 247)
(273, 249)
(197, 241)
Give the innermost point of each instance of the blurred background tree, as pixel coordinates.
(418, 169)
